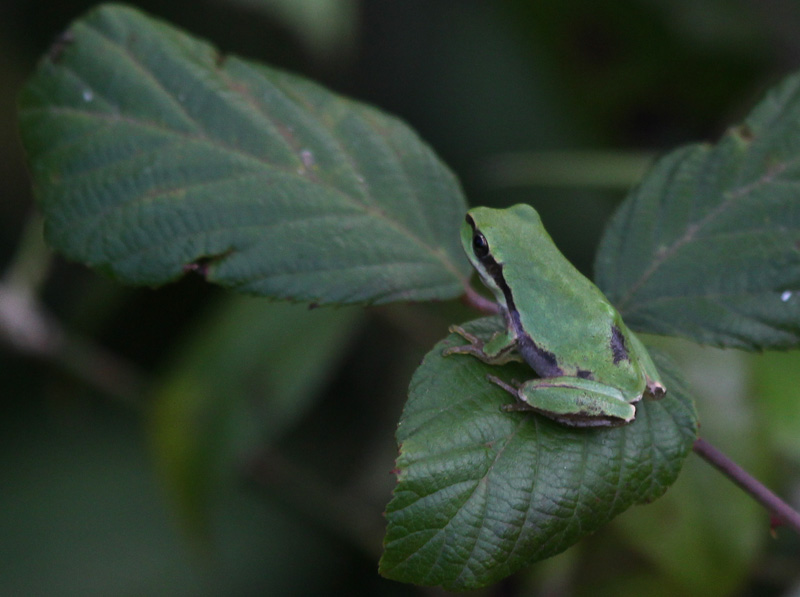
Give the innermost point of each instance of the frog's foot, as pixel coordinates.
(655, 389)
(471, 338)
(513, 388)
(475, 346)
(499, 350)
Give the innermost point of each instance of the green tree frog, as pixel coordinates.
(591, 368)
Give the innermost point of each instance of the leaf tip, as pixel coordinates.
(744, 133)
(220, 58)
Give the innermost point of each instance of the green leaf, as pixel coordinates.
(326, 28)
(687, 537)
(248, 373)
(775, 379)
(153, 154)
(482, 492)
(708, 247)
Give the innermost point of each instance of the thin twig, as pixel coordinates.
(472, 299)
(782, 511)
(28, 327)
(339, 511)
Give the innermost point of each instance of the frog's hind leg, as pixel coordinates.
(655, 387)
(571, 401)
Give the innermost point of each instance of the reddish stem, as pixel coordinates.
(782, 512)
(479, 302)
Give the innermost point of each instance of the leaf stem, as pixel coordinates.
(616, 170)
(28, 327)
(341, 512)
(782, 511)
(472, 299)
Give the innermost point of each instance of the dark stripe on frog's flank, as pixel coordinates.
(542, 361)
(618, 349)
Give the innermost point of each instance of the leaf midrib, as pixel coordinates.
(203, 140)
(694, 228)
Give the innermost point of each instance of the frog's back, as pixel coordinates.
(561, 310)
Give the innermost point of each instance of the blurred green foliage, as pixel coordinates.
(82, 508)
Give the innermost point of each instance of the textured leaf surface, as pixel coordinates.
(481, 492)
(152, 153)
(708, 247)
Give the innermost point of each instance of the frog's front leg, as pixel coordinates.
(572, 401)
(655, 388)
(498, 350)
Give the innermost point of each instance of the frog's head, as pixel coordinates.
(488, 234)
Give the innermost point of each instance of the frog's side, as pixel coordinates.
(592, 368)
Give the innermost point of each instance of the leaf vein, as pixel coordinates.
(693, 228)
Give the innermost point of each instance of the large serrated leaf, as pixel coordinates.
(482, 492)
(708, 247)
(152, 153)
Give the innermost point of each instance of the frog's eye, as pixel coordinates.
(479, 245)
